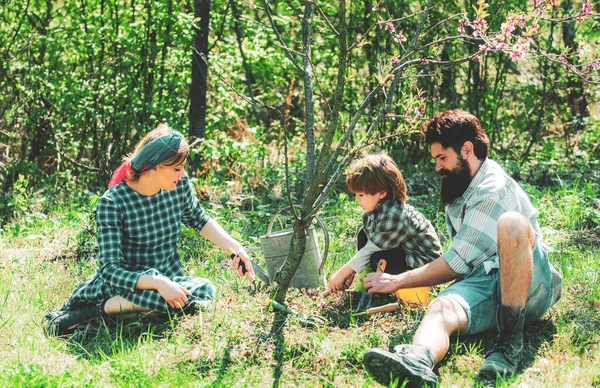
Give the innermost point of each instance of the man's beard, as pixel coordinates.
(455, 181)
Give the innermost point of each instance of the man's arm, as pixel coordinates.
(431, 274)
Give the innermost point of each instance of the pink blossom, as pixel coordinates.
(539, 6)
(375, 8)
(587, 8)
(426, 61)
(394, 61)
(484, 48)
(596, 64)
(480, 25)
(461, 27)
(380, 23)
(563, 58)
(580, 50)
(390, 27)
(521, 48)
(507, 28)
(399, 37)
(252, 5)
(518, 20)
(585, 11)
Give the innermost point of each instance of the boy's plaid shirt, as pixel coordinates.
(393, 223)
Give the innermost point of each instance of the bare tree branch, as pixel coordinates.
(286, 50)
(309, 119)
(326, 19)
(421, 24)
(567, 19)
(338, 92)
(76, 163)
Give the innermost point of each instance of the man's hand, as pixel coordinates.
(380, 283)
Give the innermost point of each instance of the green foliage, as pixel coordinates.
(34, 376)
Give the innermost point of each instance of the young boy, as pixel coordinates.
(391, 229)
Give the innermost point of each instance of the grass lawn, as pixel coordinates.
(235, 345)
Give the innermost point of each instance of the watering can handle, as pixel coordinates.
(321, 223)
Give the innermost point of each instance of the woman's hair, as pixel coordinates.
(453, 128)
(374, 174)
(179, 157)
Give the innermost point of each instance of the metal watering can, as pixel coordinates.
(276, 246)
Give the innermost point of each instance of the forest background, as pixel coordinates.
(82, 81)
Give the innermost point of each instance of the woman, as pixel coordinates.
(139, 220)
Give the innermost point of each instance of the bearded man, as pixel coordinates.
(503, 277)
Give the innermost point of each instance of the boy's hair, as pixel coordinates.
(453, 128)
(374, 174)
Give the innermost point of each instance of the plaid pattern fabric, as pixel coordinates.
(392, 224)
(472, 219)
(138, 235)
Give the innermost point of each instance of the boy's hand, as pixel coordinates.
(340, 280)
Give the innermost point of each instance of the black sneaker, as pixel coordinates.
(411, 363)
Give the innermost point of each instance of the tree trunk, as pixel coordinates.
(290, 266)
(199, 70)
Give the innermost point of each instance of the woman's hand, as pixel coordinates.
(215, 233)
(173, 293)
(241, 254)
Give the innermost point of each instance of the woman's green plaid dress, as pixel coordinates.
(137, 235)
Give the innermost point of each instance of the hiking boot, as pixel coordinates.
(408, 362)
(503, 359)
(64, 322)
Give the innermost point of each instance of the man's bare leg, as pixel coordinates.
(515, 243)
(444, 317)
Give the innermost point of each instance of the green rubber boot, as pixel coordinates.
(412, 363)
(503, 359)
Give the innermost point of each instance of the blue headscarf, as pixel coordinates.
(156, 151)
(149, 156)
